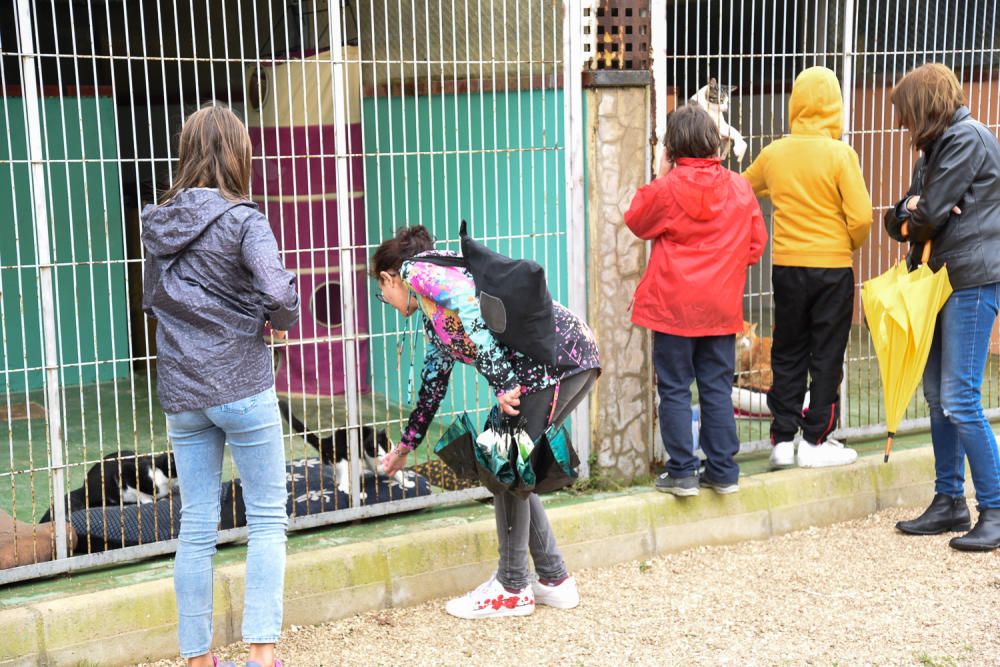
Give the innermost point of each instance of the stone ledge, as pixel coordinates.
(136, 623)
(616, 78)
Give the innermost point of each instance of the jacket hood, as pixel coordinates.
(169, 228)
(700, 186)
(816, 106)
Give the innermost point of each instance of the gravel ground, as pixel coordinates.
(856, 593)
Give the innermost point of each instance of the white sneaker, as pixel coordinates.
(829, 453)
(783, 455)
(491, 600)
(563, 596)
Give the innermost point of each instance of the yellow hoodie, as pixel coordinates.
(822, 210)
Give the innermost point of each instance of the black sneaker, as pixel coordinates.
(679, 486)
(719, 487)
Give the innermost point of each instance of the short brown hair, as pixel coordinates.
(391, 253)
(926, 100)
(214, 152)
(691, 132)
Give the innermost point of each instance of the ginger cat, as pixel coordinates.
(753, 359)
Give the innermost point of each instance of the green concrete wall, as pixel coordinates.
(494, 159)
(87, 244)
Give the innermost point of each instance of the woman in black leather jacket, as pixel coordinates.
(954, 203)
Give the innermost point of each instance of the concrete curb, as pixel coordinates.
(137, 622)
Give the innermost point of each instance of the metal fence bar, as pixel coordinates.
(32, 111)
(345, 216)
(235, 535)
(906, 427)
(576, 223)
(847, 92)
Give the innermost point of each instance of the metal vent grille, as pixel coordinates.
(623, 32)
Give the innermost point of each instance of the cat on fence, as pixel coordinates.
(714, 98)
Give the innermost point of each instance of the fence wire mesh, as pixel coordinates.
(753, 51)
(364, 117)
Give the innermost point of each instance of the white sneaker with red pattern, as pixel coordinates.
(491, 600)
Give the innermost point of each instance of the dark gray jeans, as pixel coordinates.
(522, 526)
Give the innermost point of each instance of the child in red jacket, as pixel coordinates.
(706, 229)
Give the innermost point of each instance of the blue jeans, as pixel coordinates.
(952, 381)
(709, 360)
(252, 427)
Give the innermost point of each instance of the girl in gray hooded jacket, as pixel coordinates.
(215, 283)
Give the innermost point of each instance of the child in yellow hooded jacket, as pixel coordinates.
(822, 215)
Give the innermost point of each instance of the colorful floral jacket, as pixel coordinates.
(456, 331)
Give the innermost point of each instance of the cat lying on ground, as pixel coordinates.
(123, 478)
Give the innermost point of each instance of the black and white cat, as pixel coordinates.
(334, 449)
(124, 478)
(714, 98)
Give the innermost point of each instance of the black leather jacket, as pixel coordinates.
(960, 168)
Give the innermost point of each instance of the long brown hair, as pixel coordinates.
(214, 153)
(391, 253)
(926, 100)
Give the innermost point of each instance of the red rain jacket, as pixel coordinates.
(706, 229)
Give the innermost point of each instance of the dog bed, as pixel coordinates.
(750, 404)
(312, 488)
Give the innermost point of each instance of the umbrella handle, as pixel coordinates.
(926, 255)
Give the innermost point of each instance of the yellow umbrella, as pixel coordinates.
(901, 309)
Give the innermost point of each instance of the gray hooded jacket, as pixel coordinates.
(212, 277)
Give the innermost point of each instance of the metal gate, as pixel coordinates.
(758, 47)
(364, 117)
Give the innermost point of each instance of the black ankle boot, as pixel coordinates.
(945, 514)
(984, 537)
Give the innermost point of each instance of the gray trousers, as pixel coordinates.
(522, 526)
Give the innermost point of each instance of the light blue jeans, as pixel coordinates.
(952, 386)
(252, 427)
